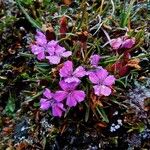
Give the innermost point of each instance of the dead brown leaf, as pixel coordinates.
(134, 63)
(67, 2)
(102, 124)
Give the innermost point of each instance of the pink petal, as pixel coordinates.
(52, 43)
(47, 93)
(57, 110)
(53, 59)
(102, 90)
(94, 60)
(97, 90)
(68, 86)
(36, 49)
(106, 91)
(50, 50)
(78, 95)
(109, 80)
(71, 101)
(66, 54)
(116, 43)
(93, 77)
(59, 50)
(40, 38)
(67, 69)
(72, 79)
(41, 56)
(128, 43)
(44, 104)
(39, 34)
(79, 72)
(101, 74)
(60, 95)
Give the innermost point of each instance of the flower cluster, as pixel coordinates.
(70, 77)
(68, 95)
(56, 100)
(49, 50)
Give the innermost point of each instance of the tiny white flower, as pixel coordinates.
(117, 126)
(112, 129)
(119, 122)
(115, 113)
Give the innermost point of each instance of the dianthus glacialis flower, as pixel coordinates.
(50, 102)
(40, 46)
(69, 93)
(102, 81)
(94, 60)
(49, 50)
(55, 52)
(69, 75)
(122, 42)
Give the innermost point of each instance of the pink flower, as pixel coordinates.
(50, 102)
(71, 76)
(39, 51)
(40, 39)
(122, 42)
(55, 52)
(94, 60)
(102, 81)
(116, 43)
(50, 50)
(128, 43)
(69, 93)
(40, 46)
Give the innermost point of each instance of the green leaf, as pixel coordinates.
(125, 14)
(31, 20)
(10, 107)
(102, 114)
(36, 104)
(27, 2)
(87, 112)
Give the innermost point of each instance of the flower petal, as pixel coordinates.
(106, 91)
(67, 69)
(52, 43)
(116, 43)
(71, 101)
(94, 60)
(79, 72)
(60, 95)
(51, 50)
(57, 109)
(128, 43)
(41, 56)
(59, 50)
(66, 54)
(36, 49)
(68, 86)
(72, 79)
(78, 95)
(40, 38)
(47, 93)
(101, 74)
(53, 59)
(93, 77)
(102, 90)
(109, 80)
(44, 104)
